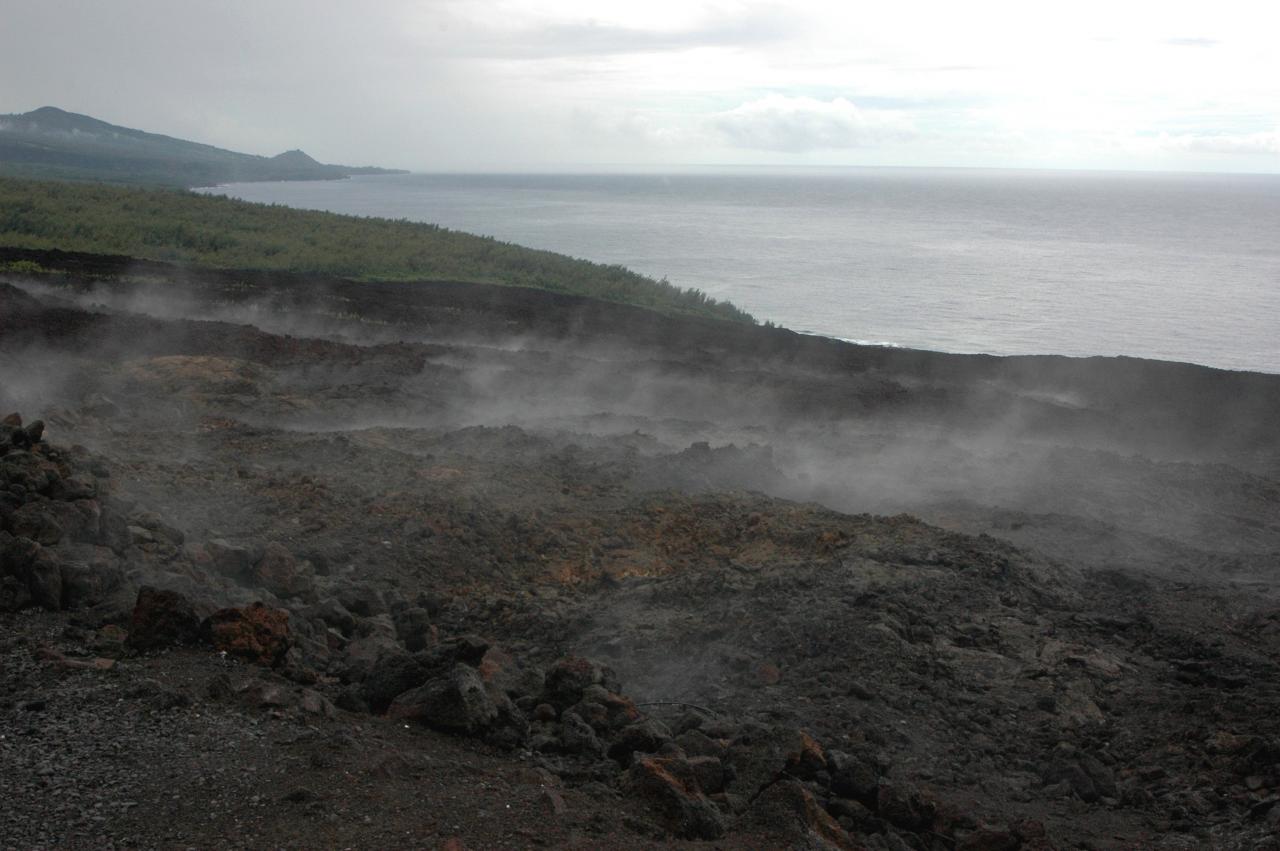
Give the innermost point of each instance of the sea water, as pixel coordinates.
(1179, 267)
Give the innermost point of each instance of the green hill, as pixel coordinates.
(186, 227)
(52, 143)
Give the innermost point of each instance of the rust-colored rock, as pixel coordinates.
(788, 809)
(762, 755)
(670, 787)
(255, 633)
(619, 711)
(807, 759)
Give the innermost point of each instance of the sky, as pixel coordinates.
(447, 85)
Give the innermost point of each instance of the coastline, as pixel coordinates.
(887, 270)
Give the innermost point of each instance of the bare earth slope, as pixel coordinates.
(854, 597)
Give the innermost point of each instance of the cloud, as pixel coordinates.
(1251, 144)
(1191, 42)
(627, 132)
(801, 124)
(759, 26)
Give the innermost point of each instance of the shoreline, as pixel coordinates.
(106, 267)
(1155, 310)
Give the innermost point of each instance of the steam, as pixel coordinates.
(1040, 465)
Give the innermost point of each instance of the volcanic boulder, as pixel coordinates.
(670, 788)
(457, 702)
(761, 754)
(282, 574)
(789, 809)
(413, 626)
(392, 673)
(645, 736)
(230, 560)
(44, 580)
(89, 574)
(568, 678)
(162, 619)
(853, 777)
(255, 633)
(577, 737)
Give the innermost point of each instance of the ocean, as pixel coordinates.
(1182, 267)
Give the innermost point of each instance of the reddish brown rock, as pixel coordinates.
(761, 755)
(670, 787)
(619, 711)
(162, 619)
(807, 759)
(787, 809)
(494, 662)
(61, 661)
(256, 633)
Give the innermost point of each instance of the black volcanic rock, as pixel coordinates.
(1002, 657)
(457, 702)
(162, 619)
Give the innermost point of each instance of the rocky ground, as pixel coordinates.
(290, 563)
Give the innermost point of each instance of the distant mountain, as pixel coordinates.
(50, 142)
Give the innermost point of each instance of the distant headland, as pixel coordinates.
(55, 144)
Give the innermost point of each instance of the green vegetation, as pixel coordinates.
(184, 227)
(24, 267)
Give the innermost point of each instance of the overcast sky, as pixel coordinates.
(451, 85)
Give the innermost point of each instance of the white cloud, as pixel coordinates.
(801, 124)
(1225, 143)
(630, 133)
